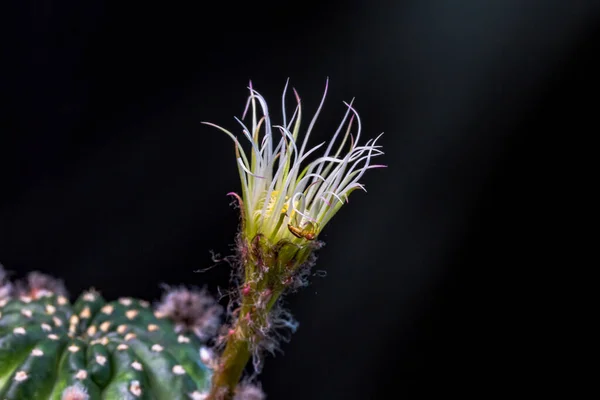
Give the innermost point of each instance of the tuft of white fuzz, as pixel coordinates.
(81, 374)
(135, 388)
(157, 348)
(38, 284)
(19, 330)
(126, 301)
(208, 357)
(191, 310)
(107, 309)
(85, 313)
(21, 376)
(6, 288)
(75, 392)
(89, 296)
(137, 366)
(248, 391)
(178, 370)
(37, 353)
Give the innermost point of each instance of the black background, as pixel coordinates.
(108, 179)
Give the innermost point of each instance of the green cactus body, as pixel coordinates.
(117, 350)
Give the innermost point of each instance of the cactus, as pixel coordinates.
(93, 349)
(122, 350)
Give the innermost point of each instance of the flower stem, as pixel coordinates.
(268, 270)
(234, 360)
(238, 348)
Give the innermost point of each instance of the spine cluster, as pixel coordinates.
(93, 349)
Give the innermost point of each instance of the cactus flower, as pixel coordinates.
(290, 191)
(285, 196)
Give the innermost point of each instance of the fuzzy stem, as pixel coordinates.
(235, 357)
(268, 271)
(237, 351)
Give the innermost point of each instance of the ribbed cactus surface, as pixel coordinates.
(52, 349)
